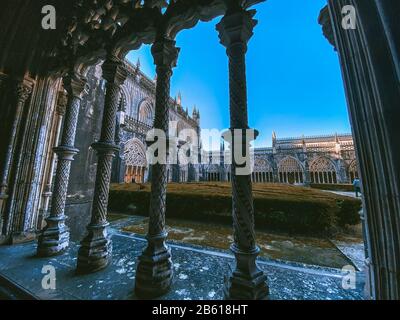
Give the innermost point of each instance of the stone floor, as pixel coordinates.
(318, 251)
(199, 274)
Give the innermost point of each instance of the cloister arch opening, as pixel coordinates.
(323, 171)
(290, 171)
(213, 173)
(135, 161)
(369, 74)
(262, 171)
(353, 171)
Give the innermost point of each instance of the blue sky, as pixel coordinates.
(293, 75)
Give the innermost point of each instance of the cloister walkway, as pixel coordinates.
(198, 272)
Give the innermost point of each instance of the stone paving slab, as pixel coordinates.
(199, 274)
(353, 250)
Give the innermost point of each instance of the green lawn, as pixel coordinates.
(279, 207)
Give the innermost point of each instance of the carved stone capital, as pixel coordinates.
(324, 20)
(236, 27)
(24, 89)
(75, 85)
(114, 72)
(165, 53)
(61, 103)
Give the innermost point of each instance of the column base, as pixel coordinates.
(54, 238)
(154, 272)
(95, 252)
(4, 240)
(247, 281)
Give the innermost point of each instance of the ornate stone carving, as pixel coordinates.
(23, 89)
(154, 271)
(135, 153)
(246, 281)
(289, 164)
(95, 252)
(54, 238)
(62, 102)
(327, 28)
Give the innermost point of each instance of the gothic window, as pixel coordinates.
(135, 161)
(353, 171)
(290, 171)
(146, 113)
(262, 171)
(180, 126)
(322, 170)
(213, 172)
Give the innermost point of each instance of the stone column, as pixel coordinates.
(96, 249)
(54, 238)
(246, 281)
(369, 56)
(154, 271)
(49, 175)
(307, 175)
(23, 91)
(176, 167)
(117, 167)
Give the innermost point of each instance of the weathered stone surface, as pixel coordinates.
(154, 270)
(83, 169)
(198, 272)
(245, 280)
(369, 57)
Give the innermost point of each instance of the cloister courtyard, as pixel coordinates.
(310, 258)
(136, 161)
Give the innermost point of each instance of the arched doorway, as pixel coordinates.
(135, 161)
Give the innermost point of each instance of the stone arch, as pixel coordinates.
(290, 170)
(213, 172)
(353, 171)
(135, 161)
(145, 112)
(262, 170)
(323, 170)
(125, 101)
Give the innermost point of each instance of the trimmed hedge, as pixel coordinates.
(278, 207)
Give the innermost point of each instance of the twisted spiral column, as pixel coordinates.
(95, 252)
(154, 271)
(246, 280)
(56, 132)
(54, 238)
(23, 90)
